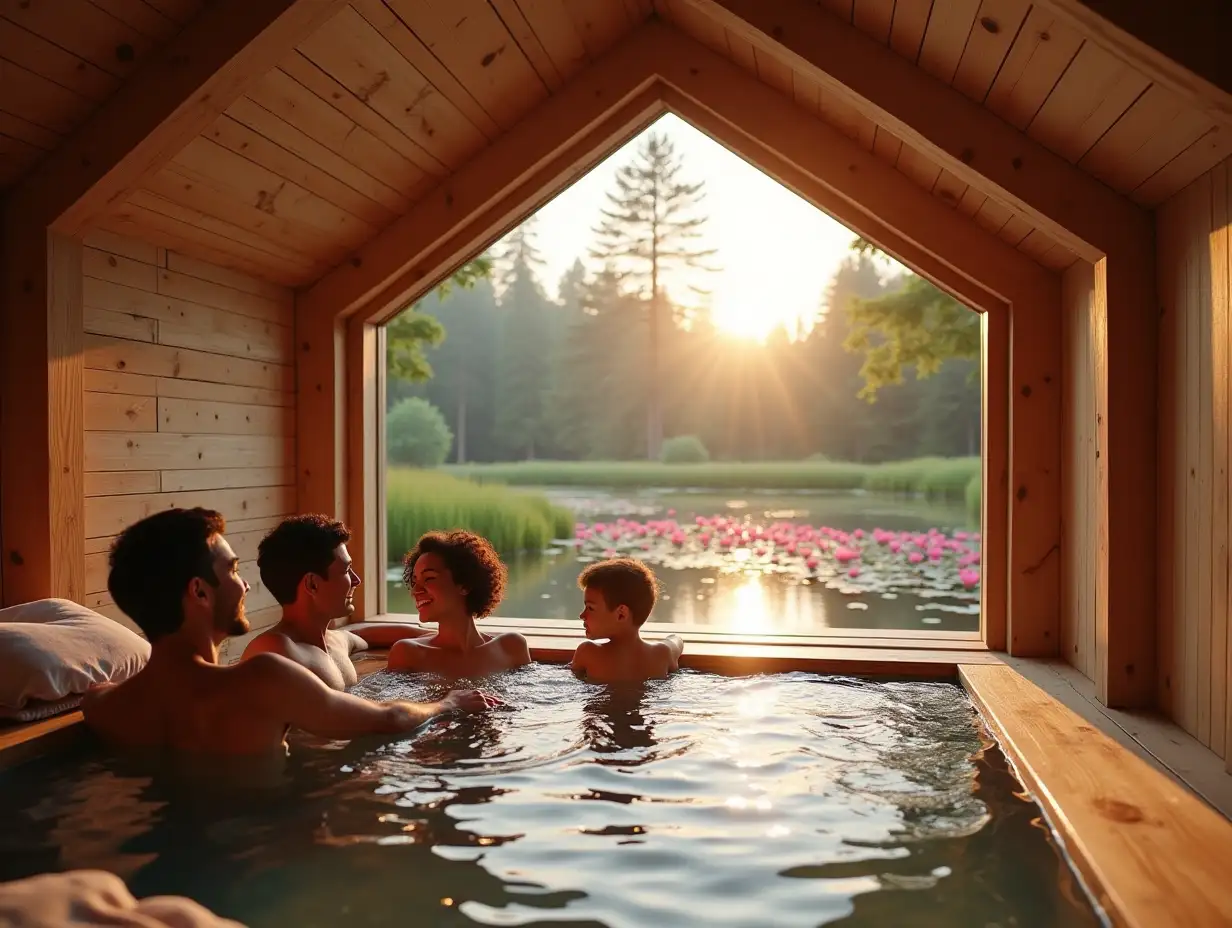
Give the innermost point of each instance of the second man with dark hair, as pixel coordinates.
(305, 565)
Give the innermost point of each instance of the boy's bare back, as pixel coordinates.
(620, 662)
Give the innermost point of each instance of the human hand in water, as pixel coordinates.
(471, 701)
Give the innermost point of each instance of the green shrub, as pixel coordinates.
(684, 449)
(420, 501)
(417, 434)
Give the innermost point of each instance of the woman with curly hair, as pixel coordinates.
(456, 578)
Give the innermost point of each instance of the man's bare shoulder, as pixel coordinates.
(662, 656)
(271, 641)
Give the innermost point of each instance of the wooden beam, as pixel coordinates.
(1180, 46)
(539, 146)
(180, 90)
(320, 415)
(41, 428)
(962, 136)
(365, 460)
(1023, 484)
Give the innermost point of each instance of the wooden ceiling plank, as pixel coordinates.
(1194, 161)
(740, 50)
(907, 28)
(84, 29)
(752, 110)
(179, 10)
(34, 53)
(874, 18)
(956, 132)
(997, 24)
(887, 145)
(38, 100)
(946, 37)
(477, 53)
(147, 226)
(806, 93)
(773, 72)
(554, 27)
(258, 245)
(949, 188)
(142, 17)
(580, 105)
(183, 87)
(1036, 244)
(1148, 135)
(239, 139)
(356, 55)
(18, 128)
(265, 190)
(693, 23)
(847, 119)
(843, 9)
(1041, 52)
(1182, 46)
(1015, 230)
(919, 167)
(270, 140)
(399, 30)
(214, 199)
(1092, 94)
(515, 21)
(325, 94)
(600, 23)
(971, 202)
(308, 115)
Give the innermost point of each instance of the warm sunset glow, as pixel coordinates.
(776, 251)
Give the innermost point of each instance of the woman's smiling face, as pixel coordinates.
(436, 594)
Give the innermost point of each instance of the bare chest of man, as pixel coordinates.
(333, 665)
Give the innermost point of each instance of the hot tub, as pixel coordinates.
(792, 799)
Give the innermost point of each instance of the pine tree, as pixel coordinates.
(652, 227)
(525, 362)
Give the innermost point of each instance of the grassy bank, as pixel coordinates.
(422, 501)
(933, 478)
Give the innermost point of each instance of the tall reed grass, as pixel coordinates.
(420, 501)
(933, 478)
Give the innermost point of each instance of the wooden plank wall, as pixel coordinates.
(1080, 468)
(1194, 267)
(189, 401)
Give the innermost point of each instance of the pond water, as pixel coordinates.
(761, 562)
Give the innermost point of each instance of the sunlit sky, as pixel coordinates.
(776, 252)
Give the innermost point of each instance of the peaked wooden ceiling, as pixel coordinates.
(391, 96)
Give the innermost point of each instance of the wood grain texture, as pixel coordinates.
(1149, 849)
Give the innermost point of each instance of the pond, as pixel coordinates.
(761, 562)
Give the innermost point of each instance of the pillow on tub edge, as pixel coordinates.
(55, 649)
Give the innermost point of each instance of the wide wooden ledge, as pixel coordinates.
(1150, 851)
(25, 740)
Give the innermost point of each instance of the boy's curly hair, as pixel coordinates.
(623, 581)
(473, 563)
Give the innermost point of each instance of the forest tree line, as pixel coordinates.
(612, 366)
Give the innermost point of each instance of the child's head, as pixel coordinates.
(618, 596)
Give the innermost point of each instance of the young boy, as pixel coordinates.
(618, 596)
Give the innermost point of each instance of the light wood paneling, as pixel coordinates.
(346, 134)
(1195, 266)
(1080, 470)
(193, 406)
(964, 44)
